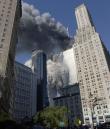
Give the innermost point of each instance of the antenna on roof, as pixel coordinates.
(68, 31)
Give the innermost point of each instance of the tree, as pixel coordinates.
(4, 116)
(51, 117)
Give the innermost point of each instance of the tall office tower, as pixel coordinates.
(39, 66)
(10, 13)
(25, 92)
(93, 69)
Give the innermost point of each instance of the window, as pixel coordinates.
(10, 4)
(2, 10)
(9, 12)
(6, 24)
(1, 45)
(4, 6)
(2, 40)
(5, 29)
(9, 7)
(4, 34)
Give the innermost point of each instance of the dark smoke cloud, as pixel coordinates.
(41, 31)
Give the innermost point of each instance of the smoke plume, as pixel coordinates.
(58, 75)
(40, 31)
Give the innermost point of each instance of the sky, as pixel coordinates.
(63, 11)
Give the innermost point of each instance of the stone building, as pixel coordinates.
(10, 13)
(93, 69)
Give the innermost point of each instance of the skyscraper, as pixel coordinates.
(39, 66)
(93, 69)
(10, 13)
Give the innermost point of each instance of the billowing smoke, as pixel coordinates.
(58, 77)
(41, 31)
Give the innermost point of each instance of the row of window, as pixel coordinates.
(6, 21)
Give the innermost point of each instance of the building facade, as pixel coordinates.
(30, 89)
(25, 92)
(70, 98)
(10, 13)
(39, 66)
(93, 69)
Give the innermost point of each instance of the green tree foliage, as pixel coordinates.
(51, 117)
(4, 116)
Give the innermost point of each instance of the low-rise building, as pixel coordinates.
(70, 98)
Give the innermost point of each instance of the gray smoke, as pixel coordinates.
(58, 77)
(41, 31)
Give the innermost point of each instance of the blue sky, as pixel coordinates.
(63, 11)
